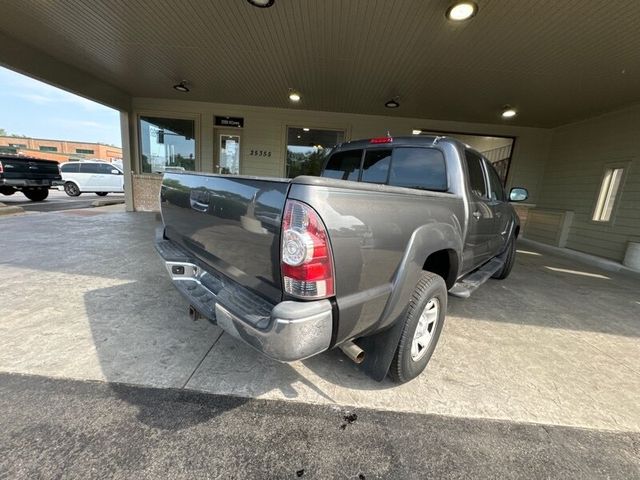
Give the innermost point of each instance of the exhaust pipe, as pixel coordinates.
(193, 313)
(353, 351)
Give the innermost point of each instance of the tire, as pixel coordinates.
(7, 191)
(72, 189)
(509, 257)
(36, 195)
(430, 294)
(102, 194)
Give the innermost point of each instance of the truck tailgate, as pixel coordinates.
(230, 223)
(29, 168)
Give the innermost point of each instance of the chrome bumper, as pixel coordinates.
(287, 331)
(25, 182)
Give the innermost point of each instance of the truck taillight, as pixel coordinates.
(306, 257)
(1, 168)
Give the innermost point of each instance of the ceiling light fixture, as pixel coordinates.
(393, 103)
(306, 129)
(508, 112)
(181, 87)
(261, 3)
(294, 96)
(416, 132)
(461, 11)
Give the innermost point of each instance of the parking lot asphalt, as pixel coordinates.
(56, 201)
(52, 428)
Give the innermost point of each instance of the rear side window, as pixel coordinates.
(376, 166)
(476, 175)
(344, 165)
(70, 168)
(422, 168)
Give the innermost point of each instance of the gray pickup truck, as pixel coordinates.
(361, 258)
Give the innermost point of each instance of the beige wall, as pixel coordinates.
(265, 129)
(573, 174)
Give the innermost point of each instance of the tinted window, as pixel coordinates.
(89, 168)
(495, 187)
(344, 165)
(476, 174)
(418, 168)
(70, 167)
(104, 168)
(376, 166)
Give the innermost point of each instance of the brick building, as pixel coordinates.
(60, 150)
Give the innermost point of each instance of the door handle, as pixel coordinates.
(477, 215)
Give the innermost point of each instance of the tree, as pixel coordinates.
(3, 132)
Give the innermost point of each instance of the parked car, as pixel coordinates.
(361, 258)
(87, 176)
(31, 176)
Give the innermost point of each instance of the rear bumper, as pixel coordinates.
(25, 182)
(287, 331)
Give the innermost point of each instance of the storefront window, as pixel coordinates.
(167, 143)
(306, 149)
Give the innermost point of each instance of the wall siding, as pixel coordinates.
(573, 173)
(265, 129)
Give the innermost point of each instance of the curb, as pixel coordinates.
(10, 210)
(104, 203)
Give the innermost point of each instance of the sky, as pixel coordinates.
(35, 109)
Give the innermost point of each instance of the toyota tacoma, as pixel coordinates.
(361, 257)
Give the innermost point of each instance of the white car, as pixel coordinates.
(97, 177)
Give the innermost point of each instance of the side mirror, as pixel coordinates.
(518, 194)
(115, 172)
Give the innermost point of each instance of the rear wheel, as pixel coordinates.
(37, 194)
(509, 257)
(71, 189)
(7, 190)
(102, 194)
(422, 326)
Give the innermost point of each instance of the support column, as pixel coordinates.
(127, 159)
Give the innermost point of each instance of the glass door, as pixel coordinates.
(228, 147)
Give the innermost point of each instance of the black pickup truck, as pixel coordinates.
(31, 176)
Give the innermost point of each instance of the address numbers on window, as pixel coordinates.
(259, 153)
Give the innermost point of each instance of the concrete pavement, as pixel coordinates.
(84, 296)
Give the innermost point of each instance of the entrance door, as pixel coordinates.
(228, 152)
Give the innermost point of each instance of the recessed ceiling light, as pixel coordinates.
(416, 132)
(461, 11)
(181, 87)
(294, 96)
(509, 112)
(393, 103)
(306, 129)
(261, 3)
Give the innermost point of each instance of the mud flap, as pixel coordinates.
(380, 349)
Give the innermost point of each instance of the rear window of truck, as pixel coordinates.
(344, 165)
(411, 167)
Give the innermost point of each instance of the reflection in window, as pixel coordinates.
(344, 165)
(307, 148)
(422, 168)
(167, 142)
(376, 166)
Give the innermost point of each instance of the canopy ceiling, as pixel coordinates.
(556, 61)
